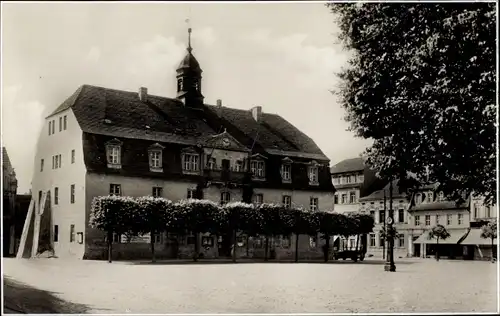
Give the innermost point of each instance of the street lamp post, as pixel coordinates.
(389, 264)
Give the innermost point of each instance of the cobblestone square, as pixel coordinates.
(419, 285)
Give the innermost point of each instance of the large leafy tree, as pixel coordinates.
(438, 232)
(420, 83)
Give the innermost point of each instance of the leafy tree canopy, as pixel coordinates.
(421, 83)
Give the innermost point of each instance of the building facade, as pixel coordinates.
(102, 141)
(377, 204)
(9, 205)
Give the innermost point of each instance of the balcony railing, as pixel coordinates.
(224, 175)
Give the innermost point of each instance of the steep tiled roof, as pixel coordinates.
(348, 165)
(5, 160)
(379, 194)
(122, 114)
(443, 205)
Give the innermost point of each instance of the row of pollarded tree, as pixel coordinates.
(138, 216)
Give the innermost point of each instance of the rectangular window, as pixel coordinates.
(476, 211)
(352, 197)
(191, 162)
(336, 199)
(372, 240)
(211, 163)
(286, 172)
(191, 193)
(53, 126)
(41, 165)
(53, 162)
(50, 128)
(401, 215)
(155, 159)
(460, 219)
(427, 220)
(56, 233)
(60, 124)
(401, 241)
(372, 214)
(225, 197)
(60, 161)
(313, 174)
(56, 196)
(157, 191)
(57, 161)
(287, 201)
(344, 198)
(65, 122)
(417, 220)
(115, 189)
(448, 219)
(313, 204)
(361, 178)
(382, 216)
(258, 198)
(347, 179)
(353, 178)
(488, 212)
(430, 197)
(239, 166)
(72, 193)
(114, 154)
(73, 156)
(72, 233)
(257, 168)
(381, 241)
(437, 219)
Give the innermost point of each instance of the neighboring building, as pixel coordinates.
(352, 180)
(9, 204)
(102, 141)
(428, 208)
(373, 204)
(480, 213)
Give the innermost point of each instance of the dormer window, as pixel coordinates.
(286, 170)
(441, 196)
(257, 167)
(190, 161)
(114, 153)
(418, 198)
(430, 197)
(361, 178)
(313, 173)
(156, 158)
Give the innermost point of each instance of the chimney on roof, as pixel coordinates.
(143, 94)
(219, 103)
(257, 113)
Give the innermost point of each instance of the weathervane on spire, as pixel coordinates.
(189, 48)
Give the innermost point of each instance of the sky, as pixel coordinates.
(281, 56)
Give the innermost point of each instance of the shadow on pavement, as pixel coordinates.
(20, 298)
(248, 261)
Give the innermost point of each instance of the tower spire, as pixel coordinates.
(189, 48)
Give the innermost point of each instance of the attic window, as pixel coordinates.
(155, 153)
(313, 174)
(286, 172)
(258, 169)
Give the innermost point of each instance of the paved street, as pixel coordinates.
(420, 285)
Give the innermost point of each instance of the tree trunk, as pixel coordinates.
(152, 241)
(266, 249)
(437, 249)
(357, 242)
(110, 245)
(248, 237)
(196, 247)
(492, 251)
(235, 246)
(297, 247)
(327, 247)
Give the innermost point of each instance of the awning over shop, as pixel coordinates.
(455, 236)
(474, 238)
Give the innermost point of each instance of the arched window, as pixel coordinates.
(180, 85)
